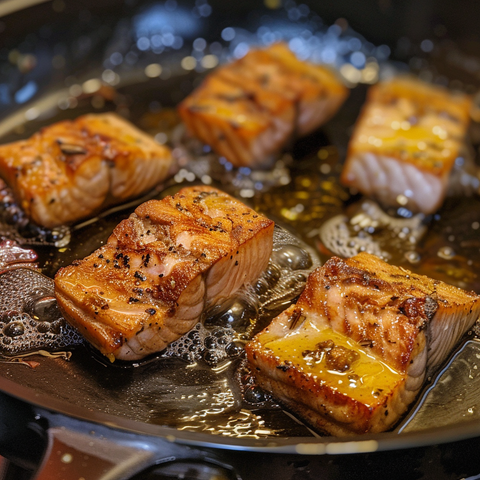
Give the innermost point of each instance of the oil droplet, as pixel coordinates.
(254, 395)
(238, 315)
(14, 329)
(446, 253)
(322, 154)
(43, 327)
(413, 257)
(66, 458)
(325, 168)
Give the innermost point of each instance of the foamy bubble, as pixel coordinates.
(225, 328)
(29, 315)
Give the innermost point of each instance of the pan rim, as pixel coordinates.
(357, 444)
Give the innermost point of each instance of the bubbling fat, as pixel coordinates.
(29, 316)
(15, 225)
(224, 329)
(369, 229)
(30, 319)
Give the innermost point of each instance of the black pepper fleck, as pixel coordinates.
(140, 276)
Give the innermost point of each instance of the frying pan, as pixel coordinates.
(81, 419)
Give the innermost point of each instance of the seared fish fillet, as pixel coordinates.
(250, 109)
(161, 268)
(405, 143)
(69, 170)
(353, 353)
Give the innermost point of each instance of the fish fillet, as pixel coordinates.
(250, 109)
(405, 143)
(69, 170)
(355, 350)
(161, 268)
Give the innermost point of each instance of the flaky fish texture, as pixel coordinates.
(405, 143)
(353, 353)
(70, 170)
(247, 111)
(161, 268)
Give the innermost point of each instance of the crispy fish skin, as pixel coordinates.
(399, 324)
(405, 143)
(69, 170)
(161, 268)
(250, 109)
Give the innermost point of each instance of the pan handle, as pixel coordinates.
(78, 449)
(71, 455)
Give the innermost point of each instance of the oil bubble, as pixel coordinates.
(292, 257)
(43, 308)
(43, 327)
(57, 326)
(413, 257)
(14, 329)
(225, 328)
(272, 274)
(237, 315)
(446, 253)
(254, 394)
(210, 342)
(211, 358)
(234, 349)
(261, 286)
(30, 315)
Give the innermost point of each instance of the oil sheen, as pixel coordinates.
(367, 379)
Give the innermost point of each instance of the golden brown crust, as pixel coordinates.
(68, 170)
(187, 212)
(313, 81)
(383, 316)
(141, 279)
(249, 109)
(219, 101)
(312, 396)
(412, 121)
(373, 286)
(316, 403)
